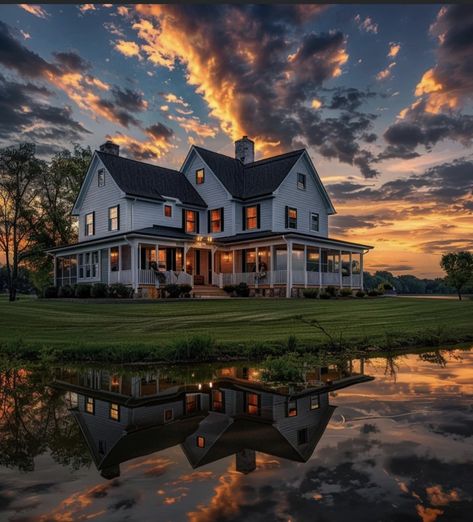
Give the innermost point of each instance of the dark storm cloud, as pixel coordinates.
(160, 131)
(72, 61)
(447, 183)
(24, 117)
(129, 99)
(116, 113)
(275, 68)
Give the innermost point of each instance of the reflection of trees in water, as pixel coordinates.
(440, 357)
(33, 419)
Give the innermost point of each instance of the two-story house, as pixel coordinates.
(217, 221)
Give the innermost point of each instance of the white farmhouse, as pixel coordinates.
(217, 221)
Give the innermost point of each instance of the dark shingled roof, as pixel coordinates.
(140, 179)
(253, 179)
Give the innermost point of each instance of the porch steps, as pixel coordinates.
(207, 291)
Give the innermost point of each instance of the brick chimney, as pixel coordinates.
(245, 150)
(110, 148)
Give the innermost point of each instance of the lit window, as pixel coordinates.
(192, 402)
(90, 224)
(199, 176)
(301, 181)
(114, 411)
(167, 210)
(200, 441)
(101, 178)
(115, 259)
(302, 436)
(216, 221)
(190, 225)
(251, 217)
(292, 409)
(314, 221)
(252, 404)
(90, 405)
(314, 402)
(114, 218)
(217, 400)
(168, 415)
(291, 217)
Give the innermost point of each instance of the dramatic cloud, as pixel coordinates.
(128, 48)
(35, 10)
(367, 25)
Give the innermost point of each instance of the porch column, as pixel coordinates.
(320, 267)
(361, 271)
(271, 266)
(55, 269)
(305, 266)
(134, 266)
(256, 266)
(351, 271)
(233, 266)
(340, 279)
(109, 271)
(156, 253)
(289, 269)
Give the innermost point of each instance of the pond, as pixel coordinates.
(376, 439)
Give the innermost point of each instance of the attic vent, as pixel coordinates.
(110, 148)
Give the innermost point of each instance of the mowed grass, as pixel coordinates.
(231, 321)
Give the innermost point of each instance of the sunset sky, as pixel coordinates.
(381, 96)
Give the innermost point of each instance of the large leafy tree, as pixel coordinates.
(20, 210)
(459, 269)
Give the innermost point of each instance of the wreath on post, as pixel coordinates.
(261, 272)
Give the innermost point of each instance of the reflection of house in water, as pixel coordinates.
(128, 416)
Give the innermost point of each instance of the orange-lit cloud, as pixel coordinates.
(394, 49)
(128, 48)
(35, 10)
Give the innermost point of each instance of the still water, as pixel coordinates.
(372, 440)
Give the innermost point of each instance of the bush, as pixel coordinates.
(82, 291)
(387, 287)
(50, 292)
(346, 292)
(120, 291)
(173, 291)
(310, 293)
(242, 290)
(229, 289)
(185, 290)
(373, 293)
(99, 290)
(65, 291)
(324, 295)
(331, 291)
(360, 293)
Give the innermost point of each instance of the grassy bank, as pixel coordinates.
(205, 329)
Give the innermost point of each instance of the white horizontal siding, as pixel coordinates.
(99, 200)
(306, 201)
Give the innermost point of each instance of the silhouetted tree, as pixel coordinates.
(459, 269)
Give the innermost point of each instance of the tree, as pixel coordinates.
(20, 213)
(459, 269)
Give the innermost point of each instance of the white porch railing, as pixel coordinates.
(330, 279)
(298, 277)
(122, 276)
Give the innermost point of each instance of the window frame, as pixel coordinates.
(255, 218)
(165, 208)
(312, 406)
(200, 441)
(101, 178)
(114, 407)
(112, 219)
(221, 402)
(86, 405)
(212, 220)
(249, 406)
(200, 176)
(291, 411)
(302, 436)
(312, 229)
(301, 181)
(290, 221)
(195, 213)
(165, 420)
(87, 231)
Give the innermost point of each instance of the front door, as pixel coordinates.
(202, 267)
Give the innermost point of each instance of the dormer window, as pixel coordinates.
(90, 224)
(199, 176)
(167, 211)
(101, 178)
(301, 181)
(251, 217)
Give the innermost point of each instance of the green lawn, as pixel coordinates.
(58, 323)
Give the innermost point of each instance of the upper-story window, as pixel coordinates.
(101, 178)
(292, 408)
(90, 405)
(191, 221)
(90, 224)
(199, 176)
(114, 218)
(314, 221)
(253, 403)
(114, 411)
(215, 220)
(251, 217)
(168, 211)
(291, 217)
(301, 181)
(217, 400)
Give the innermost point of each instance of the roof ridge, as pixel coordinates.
(274, 158)
(138, 161)
(218, 154)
